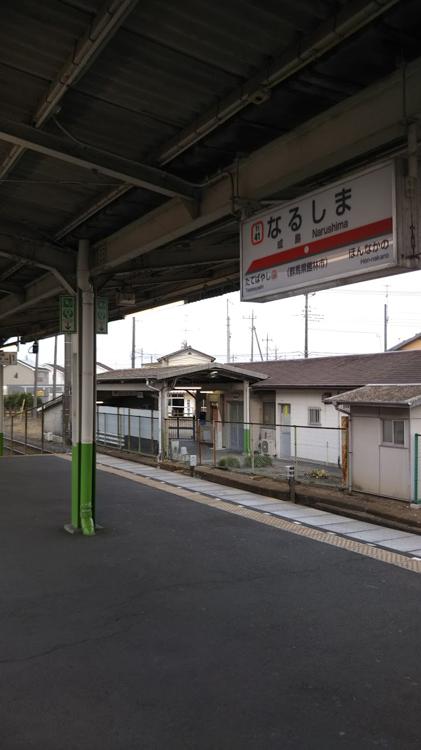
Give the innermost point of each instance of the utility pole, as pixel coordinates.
(55, 369)
(258, 344)
(386, 318)
(306, 327)
(276, 353)
(252, 337)
(228, 335)
(133, 343)
(267, 346)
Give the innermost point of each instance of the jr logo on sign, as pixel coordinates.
(257, 232)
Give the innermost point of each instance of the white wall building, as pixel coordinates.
(19, 378)
(385, 422)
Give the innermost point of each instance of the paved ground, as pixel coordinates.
(185, 627)
(381, 536)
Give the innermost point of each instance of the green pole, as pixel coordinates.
(87, 470)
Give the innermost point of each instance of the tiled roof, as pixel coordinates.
(381, 394)
(168, 373)
(348, 371)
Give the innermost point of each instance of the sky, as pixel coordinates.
(345, 320)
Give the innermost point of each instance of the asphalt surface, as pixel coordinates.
(180, 626)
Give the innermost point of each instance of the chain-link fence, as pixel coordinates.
(32, 431)
(135, 430)
(317, 454)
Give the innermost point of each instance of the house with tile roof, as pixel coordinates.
(290, 412)
(385, 438)
(408, 345)
(292, 408)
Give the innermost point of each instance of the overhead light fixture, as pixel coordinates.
(186, 388)
(207, 391)
(126, 297)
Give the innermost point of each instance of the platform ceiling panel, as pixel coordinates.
(150, 75)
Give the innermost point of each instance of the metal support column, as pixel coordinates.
(67, 393)
(84, 402)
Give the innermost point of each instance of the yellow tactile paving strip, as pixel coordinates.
(317, 535)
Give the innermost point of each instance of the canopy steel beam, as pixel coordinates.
(371, 121)
(44, 288)
(97, 35)
(37, 253)
(87, 157)
(9, 287)
(349, 19)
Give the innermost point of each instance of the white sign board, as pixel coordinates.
(7, 358)
(346, 231)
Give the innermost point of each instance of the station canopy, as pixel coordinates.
(149, 128)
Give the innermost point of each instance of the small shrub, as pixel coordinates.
(319, 474)
(229, 462)
(260, 461)
(15, 402)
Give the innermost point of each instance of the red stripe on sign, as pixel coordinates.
(368, 231)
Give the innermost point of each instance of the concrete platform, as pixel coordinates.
(397, 540)
(185, 627)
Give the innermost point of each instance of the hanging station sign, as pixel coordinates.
(68, 315)
(356, 229)
(102, 315)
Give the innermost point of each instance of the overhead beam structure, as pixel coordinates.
(87, 157)
(346, 21)
(97, 35)
(37, 253)
(368, 123)
(44, 288)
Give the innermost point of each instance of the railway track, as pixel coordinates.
(20, 448)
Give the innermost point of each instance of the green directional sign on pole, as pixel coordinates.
(101, 315)
(68, 319)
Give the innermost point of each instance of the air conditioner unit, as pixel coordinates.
(267, 447)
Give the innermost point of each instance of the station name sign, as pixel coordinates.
(343, 233)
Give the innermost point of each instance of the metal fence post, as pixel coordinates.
(416, 469)
(214, 442)
(199, 444)
(295, 449)
(129, 440)
(26, 431)
(42, 430)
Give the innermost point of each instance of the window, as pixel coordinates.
(314, 415)
(176, 404)
(394, 431)
(268, 412)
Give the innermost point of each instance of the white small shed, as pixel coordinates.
(384, 424)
